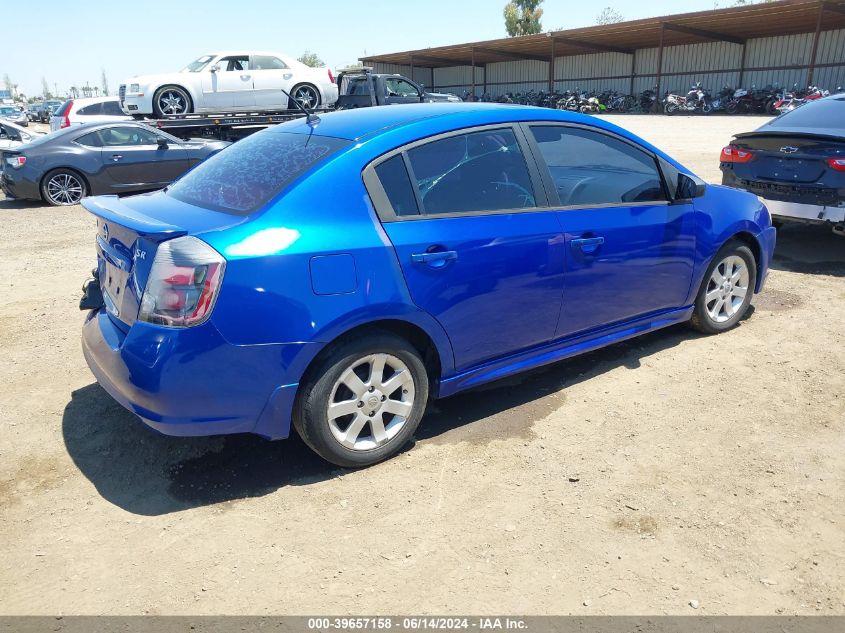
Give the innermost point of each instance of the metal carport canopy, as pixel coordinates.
(733, 24)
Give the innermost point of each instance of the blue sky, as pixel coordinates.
(69, 43)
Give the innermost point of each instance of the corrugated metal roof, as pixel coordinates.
(734, 24)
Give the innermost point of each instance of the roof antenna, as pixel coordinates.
(310, 118)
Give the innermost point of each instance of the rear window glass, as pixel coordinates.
(249, 173)
(829, 113)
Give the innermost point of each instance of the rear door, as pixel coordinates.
(133, 159)
(629, 251)
(269, 76)
(479, 251)
(399, 90)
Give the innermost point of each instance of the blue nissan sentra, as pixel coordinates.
(338, 274)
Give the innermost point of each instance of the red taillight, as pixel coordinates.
(732, 154)
(836, 164)
(183, 284)
(66, 121)
(331, 76)
(16, 162)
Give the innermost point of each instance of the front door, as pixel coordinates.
(133, 159)
(399, 90)
(629, 250)
(269, 76)
(230, 87)
(477, 249)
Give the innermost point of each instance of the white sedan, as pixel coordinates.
(229, 82)
(13, 135)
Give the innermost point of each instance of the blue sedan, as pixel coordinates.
(338, 274)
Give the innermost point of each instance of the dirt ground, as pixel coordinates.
(668, 469)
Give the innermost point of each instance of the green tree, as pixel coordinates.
(104, 82)
(522, 17)
(45, 88)
(311, 59)
(609, 15)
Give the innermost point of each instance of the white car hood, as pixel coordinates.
(146, 80)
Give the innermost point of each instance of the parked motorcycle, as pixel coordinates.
(696, 101)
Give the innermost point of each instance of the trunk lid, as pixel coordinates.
(789, 158)
(129, 231)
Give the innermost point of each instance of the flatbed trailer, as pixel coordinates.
(226, 126)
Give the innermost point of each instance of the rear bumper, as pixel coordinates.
(192, 382)
(811, 213)
(15, 185)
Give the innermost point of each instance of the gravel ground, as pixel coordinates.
(664, 471)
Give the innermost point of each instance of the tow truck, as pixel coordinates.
(358, 87)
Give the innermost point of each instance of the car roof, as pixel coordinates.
(359, 123)
(87, 100)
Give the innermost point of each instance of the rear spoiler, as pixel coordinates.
(825, 133)
(112, 209)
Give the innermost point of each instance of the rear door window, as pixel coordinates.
(591, 168)
(479, 171)
(266, 62)
(248, 174)
(91, 110)
(112, 108)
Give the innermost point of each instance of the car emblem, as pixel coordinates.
(105, 231)
(788, 149)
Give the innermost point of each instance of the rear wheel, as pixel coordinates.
(726, 291)
(307, 95)
(63, 187)
(364, 401)
(170, 100)
(670, 108)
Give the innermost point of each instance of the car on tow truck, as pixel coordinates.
(335, 273)
(233, 81)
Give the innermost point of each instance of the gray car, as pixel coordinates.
(99, 158)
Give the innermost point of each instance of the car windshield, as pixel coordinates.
(825, 113)
(245, 176)
(5, 111)
(198, 65)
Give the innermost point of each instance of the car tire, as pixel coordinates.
(726, 291)
(170, 100)
(63, 187)
(303, 91)
(343, 406)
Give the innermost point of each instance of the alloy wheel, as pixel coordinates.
(64, 189)
(727, 289)
(371, 402)
(306, 96)
(172, 102)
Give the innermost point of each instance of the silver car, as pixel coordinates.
(14, 114)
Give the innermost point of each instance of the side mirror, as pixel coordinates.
(214, 68)
(161, 142)
(690, 187)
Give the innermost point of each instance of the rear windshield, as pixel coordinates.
(825, 113)
(249, 173)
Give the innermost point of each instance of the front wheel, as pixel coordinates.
(63, 187)
(670, 108)
(726, 291)
(171, 100)
(364, 401)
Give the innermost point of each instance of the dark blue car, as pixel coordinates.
(340, 274)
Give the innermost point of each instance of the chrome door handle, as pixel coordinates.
(588, 244)
(245, 77)
(435, 259)
(287, 75)
(116, 157)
